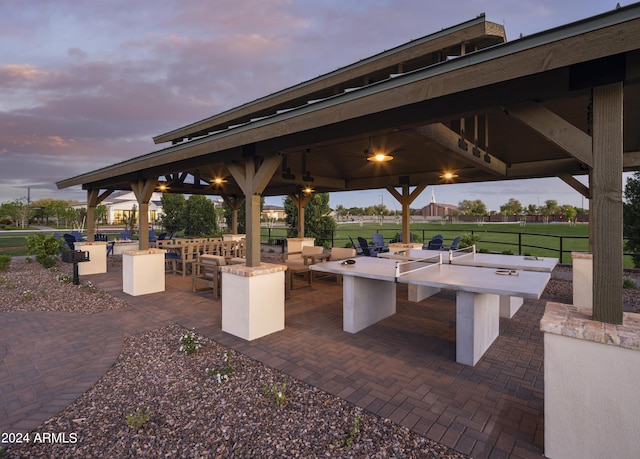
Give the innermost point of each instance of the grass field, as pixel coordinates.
(533, 239)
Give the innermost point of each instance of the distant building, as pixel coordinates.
(436, 210)
(120, 205)
(272, 213)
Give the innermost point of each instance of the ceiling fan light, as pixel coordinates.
(448, 175)
(379, 158)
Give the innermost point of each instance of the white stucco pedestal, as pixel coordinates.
(143, 271)
(591, 380)
(252, 300)
(582, 279)
(97, 263)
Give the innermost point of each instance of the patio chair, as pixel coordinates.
(454, 244)
(378, 243)
(70, 240)
(366, 250)
(187, 256)
(125, 235)
(207, 272)
(355, 247)
(152, 238)
(435, 243)
(77, 235)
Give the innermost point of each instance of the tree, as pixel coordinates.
(173, 214)
(242, 215)
(631, 217)
(532, 209)
(317, 221)
(199, 216)
(476, 207)
(512, 207)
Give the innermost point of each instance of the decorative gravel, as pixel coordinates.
(27, 286)
(191, 413)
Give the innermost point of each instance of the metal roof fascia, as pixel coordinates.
(446, 31)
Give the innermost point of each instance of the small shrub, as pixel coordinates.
(276, 393)
(5, 262)
(47, 261)
(223, 374)
(139, 418)
(507, 252)
(467, 240)
(190, 343)
(351, 437)
(45, 247)
(628, 282)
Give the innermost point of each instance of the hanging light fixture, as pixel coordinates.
(379, 157)
(163, 187)
(448, 175)
(218, 180)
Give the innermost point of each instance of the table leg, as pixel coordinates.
(366, 301)
(509, 305)
(477, 325)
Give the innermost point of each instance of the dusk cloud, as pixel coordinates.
(85, 84)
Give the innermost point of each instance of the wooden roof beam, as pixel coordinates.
(449, 139)
(555, 129)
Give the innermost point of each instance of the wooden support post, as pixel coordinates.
(143, 190)
(93, 199)
(234, 202)
(300, 200)
(607, 203)
(405, 199)
(252, 180)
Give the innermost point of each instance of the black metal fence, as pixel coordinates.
(519, 243)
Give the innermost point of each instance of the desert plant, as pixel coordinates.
(45, 247)
(139, 418)
(628, 282)
(467, 240)
(351, 437)
(5, 262)
(190, 342)
(276, 393)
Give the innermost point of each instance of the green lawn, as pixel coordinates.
(533, 239)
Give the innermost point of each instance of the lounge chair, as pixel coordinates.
(366, 250)
(378, 243)
(70, 240)
(454, 244)
(435, 243)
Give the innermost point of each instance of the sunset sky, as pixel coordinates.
(85, 84)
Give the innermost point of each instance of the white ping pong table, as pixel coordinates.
(369, 295)
(509, 305)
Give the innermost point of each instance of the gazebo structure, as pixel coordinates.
(459, 105)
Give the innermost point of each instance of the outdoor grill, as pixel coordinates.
(75, 257)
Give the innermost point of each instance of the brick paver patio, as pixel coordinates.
(402, 368)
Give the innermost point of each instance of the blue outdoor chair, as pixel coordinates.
(358, 249)
(366, 250)
(77, 235)
(378, 243)
(126, 235)
(435, 243)
(70, 240)
(454, 244)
